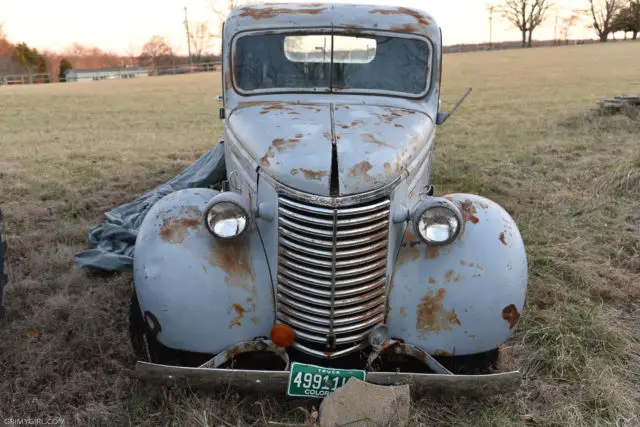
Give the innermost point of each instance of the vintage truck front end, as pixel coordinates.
(329, 250)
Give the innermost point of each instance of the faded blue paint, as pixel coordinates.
(459, 298)
(207, 295)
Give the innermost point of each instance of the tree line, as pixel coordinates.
(20, 58)
(607, 17)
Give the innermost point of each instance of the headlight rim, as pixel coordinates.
(234, 199)
(432, 203)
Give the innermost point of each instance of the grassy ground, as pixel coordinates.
(572, 181)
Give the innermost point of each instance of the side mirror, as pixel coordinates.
(443, 117)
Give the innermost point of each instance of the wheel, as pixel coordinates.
(3, 276)
(146, 346)
(144, 343)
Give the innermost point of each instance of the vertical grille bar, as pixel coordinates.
(332, 274)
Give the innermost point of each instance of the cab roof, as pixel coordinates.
(353, 17)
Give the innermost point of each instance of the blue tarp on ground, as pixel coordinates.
(113, 241)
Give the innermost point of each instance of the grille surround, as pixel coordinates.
(332, 273)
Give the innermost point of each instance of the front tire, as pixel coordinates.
(148, 348)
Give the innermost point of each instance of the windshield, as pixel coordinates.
(328, 62)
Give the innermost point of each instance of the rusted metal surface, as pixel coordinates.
(174, 230)
(473, 291)
(417, 353)
(347, 19)
(381, 147)
(296, 158)
(511, 315)
(276, 381)
(267, 12)
(431, 316)
(206, 294)
(258, 345)
(300, 145)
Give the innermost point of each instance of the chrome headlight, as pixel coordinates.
(437, 221)
(227, 216)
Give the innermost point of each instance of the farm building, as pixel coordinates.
(90, 74)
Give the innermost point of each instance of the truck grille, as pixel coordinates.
(332, 267)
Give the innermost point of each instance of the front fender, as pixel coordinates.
(464, 298)
(198, 293)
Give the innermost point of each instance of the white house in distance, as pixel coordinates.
(91, 74)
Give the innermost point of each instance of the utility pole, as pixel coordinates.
(491, 9)
(186, 26)
(555, 30)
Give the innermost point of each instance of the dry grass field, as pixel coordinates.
(69, 152)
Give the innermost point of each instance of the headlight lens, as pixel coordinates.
(437, 221)
(438, 225)
(227, 216)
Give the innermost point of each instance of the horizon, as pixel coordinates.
(55, 28)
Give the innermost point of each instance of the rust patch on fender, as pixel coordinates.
(237, 321)
(361, 170)
(294, 172)
(431, 315)
(387, 168)
(370, 138)
(511, 315)
(272, 12)
(432, 280)
(469, 212)
(442, 353)
(403, 312)
(174, 230)
(234, 259)
(502, 239)
(404, 11)
(432, 252)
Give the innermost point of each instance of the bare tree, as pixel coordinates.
(156, 51)
(603, 13)
(526, 15)
(201, 39)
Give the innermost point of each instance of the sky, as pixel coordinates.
(118, 25)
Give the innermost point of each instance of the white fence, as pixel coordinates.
(203, 67)
(24, 79)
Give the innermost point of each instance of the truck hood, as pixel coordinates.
(293, 143)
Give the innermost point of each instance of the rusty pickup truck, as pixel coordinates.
(327, 255)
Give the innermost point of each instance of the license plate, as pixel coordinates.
(317, 381)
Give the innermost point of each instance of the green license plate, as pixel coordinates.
(317, 381)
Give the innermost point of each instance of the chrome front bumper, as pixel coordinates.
(277, 381)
